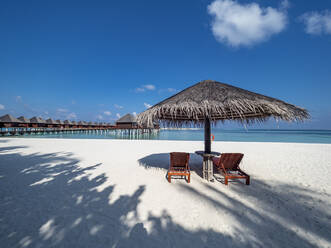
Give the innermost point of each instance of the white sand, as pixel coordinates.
(113, 193)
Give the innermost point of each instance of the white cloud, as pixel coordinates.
(99, 117)
(139, 90)
(145, 88)
(245, 24)
(118, 106)
(107, 113)
(147, 105)
(317, 23)
(72, 116)
(2, 107)
(18, 98)
(118, 115)
(171, 90)
(285, 4)
(134, 113)
(61, 110)
(149, 86)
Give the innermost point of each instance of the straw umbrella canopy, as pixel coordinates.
(208, 102)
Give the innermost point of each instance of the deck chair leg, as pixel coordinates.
(247, 180)
(226, 180)
(169, 178)
(189, 178)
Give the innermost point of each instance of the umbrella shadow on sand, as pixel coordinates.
(162, 161)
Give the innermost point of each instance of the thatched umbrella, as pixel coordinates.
(209, 102)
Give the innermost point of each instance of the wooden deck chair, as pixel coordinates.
(228, 165)
(179, 165)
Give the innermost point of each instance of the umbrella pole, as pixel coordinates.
(207, 136)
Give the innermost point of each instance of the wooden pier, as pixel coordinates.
(125, 127)
(19, 131)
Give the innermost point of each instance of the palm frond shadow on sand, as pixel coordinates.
(49, 200)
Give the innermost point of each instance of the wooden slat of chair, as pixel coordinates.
(179, 165)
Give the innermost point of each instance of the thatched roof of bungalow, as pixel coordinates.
(128, 118)
(219, 102)
(83, 123)
(51, 121)
(59, 122)
(9, 119)
(67, 122)
(23, 119)
(37, 120)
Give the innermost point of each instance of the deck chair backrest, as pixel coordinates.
(231, 160)
(179, 159)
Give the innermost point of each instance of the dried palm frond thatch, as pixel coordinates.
(219, 102)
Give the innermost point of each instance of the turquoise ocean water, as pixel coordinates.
(250, 135)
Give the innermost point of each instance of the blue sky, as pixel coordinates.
(96, 60)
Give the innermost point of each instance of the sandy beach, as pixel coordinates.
(113, 193)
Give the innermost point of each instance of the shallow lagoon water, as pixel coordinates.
(250, 135)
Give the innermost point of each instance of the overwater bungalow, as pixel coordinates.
(90, 124)
(37, 122)
(9, 121)
(50, 123)
(82, 124)
(25, 121)
(74, 124)
(67, 124)
(127, 121)
(60, 123)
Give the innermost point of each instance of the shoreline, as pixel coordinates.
(137, 140)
